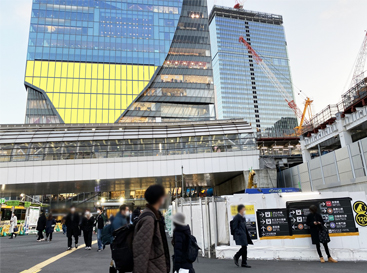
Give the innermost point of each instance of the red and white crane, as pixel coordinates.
(287, 97)
(358, 74)
(239, 4)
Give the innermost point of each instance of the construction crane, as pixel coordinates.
(239, 4)
(289, 99)
(358, 74)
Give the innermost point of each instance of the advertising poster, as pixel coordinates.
(337, 214)
(34, 213)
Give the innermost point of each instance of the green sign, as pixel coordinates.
(2, 200)
(12, 203)
(27, 204)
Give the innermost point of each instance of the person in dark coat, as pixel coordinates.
(120, 218)
(99, 223)
(87, 226)
(50, 225)
(241, 236)
(72, 227)
(315, 222)
(180, 242)
(136, 213)
(41, 225)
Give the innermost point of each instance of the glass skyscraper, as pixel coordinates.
(106, 61)
(242, 89)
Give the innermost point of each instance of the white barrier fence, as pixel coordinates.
(209, 221)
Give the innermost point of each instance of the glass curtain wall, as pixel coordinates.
(242, 89)
(126, 148)
(183, 88)
(92, 58)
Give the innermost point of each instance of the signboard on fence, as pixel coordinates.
(360, 209)
(337, 214)
(273, 223)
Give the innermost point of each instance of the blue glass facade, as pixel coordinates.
(242, 89)
(103, 31)
(89, 60)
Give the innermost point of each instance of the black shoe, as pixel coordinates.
(246, 265)
(76, 245)
(69, 248)
(10, 237)
(235, 261)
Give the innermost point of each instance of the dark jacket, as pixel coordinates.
(87, 224)
(150, 247)
(99, 221)
(315, 229)
(118, 221)
(135, 215)
(180, 242)
(41, 223)
(72, 224)
(50, 225)
(241, 235)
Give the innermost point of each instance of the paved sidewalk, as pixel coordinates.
(25, 252)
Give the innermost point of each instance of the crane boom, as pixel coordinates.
(358, 74)
(291, 103)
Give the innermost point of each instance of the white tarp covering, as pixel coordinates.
(344, 248)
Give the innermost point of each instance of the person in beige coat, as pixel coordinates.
(150, 247)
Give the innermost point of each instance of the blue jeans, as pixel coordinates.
(99, 235)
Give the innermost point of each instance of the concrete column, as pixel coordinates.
(306, 155)
(344, 136)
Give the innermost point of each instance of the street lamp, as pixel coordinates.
(103, 200)
(122, 200)
(23, 195)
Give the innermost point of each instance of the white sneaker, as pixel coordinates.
(86, 248)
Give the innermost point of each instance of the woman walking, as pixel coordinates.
(13, 225)
(50, 225)
(180, 242)
(317, 227)
(87, 227)
(41, 225)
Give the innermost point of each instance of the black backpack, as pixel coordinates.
(233, 228)
(193, 249)
(122, 246)
(106, 236)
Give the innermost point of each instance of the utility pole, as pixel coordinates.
(176, 187)
(182, 189)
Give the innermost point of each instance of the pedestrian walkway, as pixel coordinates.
(24, 254)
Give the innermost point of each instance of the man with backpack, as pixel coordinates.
(182, 245)
(120, 219)
(150, 247)
(241, 236)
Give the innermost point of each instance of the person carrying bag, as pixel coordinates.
(319, 234)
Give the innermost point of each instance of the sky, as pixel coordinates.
(323, 37)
